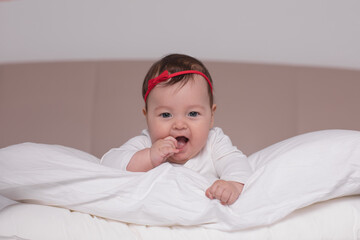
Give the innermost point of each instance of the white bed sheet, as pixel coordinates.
(290, 175)
(334, 219)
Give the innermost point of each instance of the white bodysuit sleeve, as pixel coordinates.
(230, 163)
(120, 157)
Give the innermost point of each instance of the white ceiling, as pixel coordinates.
(307, 32)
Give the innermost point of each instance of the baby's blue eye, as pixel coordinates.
(193, 114)
(165, 115)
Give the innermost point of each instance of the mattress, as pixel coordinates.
(333, 219)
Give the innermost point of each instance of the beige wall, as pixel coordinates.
(94, 106)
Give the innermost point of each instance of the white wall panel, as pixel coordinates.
(308, 32)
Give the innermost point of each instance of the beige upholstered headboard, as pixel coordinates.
(94, 106)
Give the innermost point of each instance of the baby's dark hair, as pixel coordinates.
(176, 63)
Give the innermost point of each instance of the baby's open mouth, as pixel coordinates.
(181, 141)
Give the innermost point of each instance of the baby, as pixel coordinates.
(179, 110)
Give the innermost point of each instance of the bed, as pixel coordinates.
(299, 127)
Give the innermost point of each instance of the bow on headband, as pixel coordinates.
(165, 76)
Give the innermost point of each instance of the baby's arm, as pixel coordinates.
(232, 168)
(225, 191)
(149, 158)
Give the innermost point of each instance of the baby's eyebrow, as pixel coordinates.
(162, 108)
(190, 107)
(197, 106)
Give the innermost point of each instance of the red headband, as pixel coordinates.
(165, 76)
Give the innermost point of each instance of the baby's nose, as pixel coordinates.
(179, 124)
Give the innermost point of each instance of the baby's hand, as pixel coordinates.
(225, 191)
(162, 149)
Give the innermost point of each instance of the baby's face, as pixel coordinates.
(182, 112)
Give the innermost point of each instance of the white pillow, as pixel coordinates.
(300, 171)
(33, 149)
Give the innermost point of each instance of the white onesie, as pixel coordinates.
(218, 159)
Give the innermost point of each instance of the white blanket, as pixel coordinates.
(289, 175)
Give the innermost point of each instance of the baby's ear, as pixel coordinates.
(213, 109)
(144, 112)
